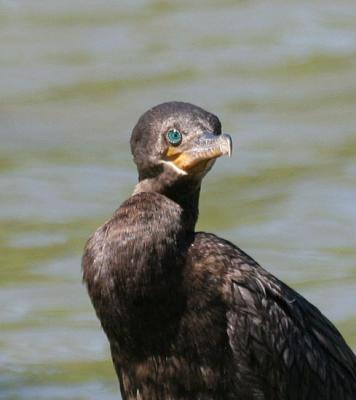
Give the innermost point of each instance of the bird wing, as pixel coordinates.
(282, 345)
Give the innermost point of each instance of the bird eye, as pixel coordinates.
(174, 137)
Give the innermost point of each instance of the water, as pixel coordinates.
(75, 76)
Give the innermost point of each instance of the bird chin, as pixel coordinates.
(199, 170)
(171, 165)
(202, 168)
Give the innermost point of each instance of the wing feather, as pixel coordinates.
(283, 346)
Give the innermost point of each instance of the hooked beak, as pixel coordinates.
(195, 154)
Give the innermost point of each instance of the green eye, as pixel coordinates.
(174, 137)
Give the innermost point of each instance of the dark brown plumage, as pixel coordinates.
(189, 315)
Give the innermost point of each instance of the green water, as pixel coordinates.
(76, 75)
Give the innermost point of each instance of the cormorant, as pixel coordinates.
(189, 315)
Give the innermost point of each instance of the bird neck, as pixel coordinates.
(185, 194)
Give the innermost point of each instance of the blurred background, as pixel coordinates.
(76, 75)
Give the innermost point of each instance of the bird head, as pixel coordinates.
(177, 142)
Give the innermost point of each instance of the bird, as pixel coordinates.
(189, 315)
